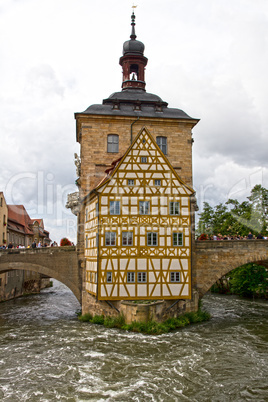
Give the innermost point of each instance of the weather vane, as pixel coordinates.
(134, 6)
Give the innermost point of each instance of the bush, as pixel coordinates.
(150, 327)
(65, 242)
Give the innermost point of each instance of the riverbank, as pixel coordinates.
(150, 327)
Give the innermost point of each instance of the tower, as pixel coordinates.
(106, 133)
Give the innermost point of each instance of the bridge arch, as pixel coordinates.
(40, 269)
(214, 259)
(58, 263)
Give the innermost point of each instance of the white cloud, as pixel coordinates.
(209, 58)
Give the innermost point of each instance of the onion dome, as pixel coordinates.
(133, 45)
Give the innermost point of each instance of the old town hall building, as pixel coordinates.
(135, 189)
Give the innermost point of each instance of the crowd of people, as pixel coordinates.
(33, 245)
(219, 236)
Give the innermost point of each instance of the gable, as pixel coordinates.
(144, 163)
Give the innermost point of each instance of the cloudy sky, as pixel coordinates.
(207, 57)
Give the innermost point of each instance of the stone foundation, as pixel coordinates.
(158, 311)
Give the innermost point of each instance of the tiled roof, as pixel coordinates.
(18, 216)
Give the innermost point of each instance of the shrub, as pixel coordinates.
(65, 242)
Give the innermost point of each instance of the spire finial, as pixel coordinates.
(133, 35)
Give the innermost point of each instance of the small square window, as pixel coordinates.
(143, 159)
(174, 276)
(131, 182)
(114, 207)
(177, 239)
(157, 182)
(174, 208)
(144, 207)
(152, 239)
(127, 239)
(131, 277)
(142, 277)
(109, 277)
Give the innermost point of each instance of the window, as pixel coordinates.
(114, 207)
(142, 277)
(143, 159)
(144, 207)
(151, 239)
(86, 215)
(162, 143)
(86, 242)
(177, 239)
(112, 143)
(127, 239)
(157, 182)
(131, 277)
(174, 276)
(131, 182)
(174, 208)
(110, 239)
(109, 277)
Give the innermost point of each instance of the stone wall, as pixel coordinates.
(213, 259)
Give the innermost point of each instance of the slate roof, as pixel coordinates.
(136, 102)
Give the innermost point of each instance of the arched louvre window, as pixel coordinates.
(112, 143)
(162, 143)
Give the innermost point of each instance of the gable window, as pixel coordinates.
(177, 239)
(110, 239)
(127, 239)
(131, 277)
(157, 182)
(142, 277)
(114, 207)
(131, 182)
(152, 239)
(174, 208)
(162, 143)
(112, 143)
(143, 159)
(174, 276)
(109, 277)
(144, 207)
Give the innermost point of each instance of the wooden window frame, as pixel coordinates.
(129, 236)
(172, 208)
(142, 277)
(152, 239)
(162, 143)
(113, 143)
(179, 239)
(142, 207)
(175, 277)
(108, 243)
(131, 277)
(109, 277)
(115, 207)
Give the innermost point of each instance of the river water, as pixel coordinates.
(46, 354)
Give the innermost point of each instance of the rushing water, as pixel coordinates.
(46, 354)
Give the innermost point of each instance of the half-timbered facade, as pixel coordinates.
(137, 228)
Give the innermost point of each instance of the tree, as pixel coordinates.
(250, 280)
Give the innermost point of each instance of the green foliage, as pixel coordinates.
(234, 218)
(150, 327)
(250, 280)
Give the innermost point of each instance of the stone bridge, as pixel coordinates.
(213, 259)
(60, 263)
